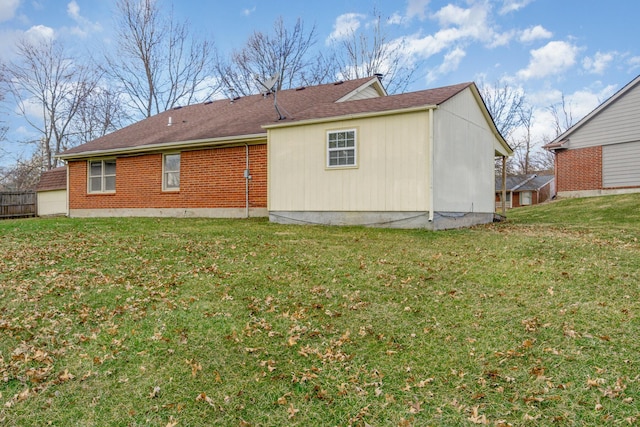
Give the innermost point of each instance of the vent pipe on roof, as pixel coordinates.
(170, 121)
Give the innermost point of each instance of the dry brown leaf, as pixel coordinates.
(292, 411)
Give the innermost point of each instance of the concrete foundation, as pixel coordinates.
(170, 212)
(441, 220)
(595, 193)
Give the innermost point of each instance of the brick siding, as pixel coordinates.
(209, 178)
(579, 169)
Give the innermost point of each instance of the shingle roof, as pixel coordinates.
(54, 179)
(247, 115)
(531, 182)
(392, 102)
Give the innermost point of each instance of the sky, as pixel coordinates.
(582, 50)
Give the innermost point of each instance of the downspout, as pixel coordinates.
(68, 191)
(504, 185)
(431, 161)
(247, 177)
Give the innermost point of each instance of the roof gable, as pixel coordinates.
(561, 141)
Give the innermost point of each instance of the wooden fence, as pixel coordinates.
(14, 204)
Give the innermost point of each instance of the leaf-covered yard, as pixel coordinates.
(184, 322)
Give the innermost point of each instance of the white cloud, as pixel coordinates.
(458, 25)
(247, 11)
(417, 8)
(513, 5)
(395, 19)
(39, 32)
(598, 63)
(84, 27)
(345, 25)
(535, 33)
(451, 63)
(634, 62)
(553, 58)
(8, 9)
(584, 101)
(577, 104)
(501, 39)
(73, 10)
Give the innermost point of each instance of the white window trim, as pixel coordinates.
(355, 149)
(165, 172)
(530, 193)
(103, 176)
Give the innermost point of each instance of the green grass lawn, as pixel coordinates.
(189, 322)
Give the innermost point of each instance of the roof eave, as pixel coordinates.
(177, 145)
(508, 151)
(351, 116)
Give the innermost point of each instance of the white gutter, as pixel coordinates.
(176, 145)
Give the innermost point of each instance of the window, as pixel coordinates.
(171, 172)
(341, 148)
(102, 176)
(525, 198)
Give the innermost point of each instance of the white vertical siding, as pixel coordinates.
(621, 165)
(463, 157)
(391, 173)
(617, 123)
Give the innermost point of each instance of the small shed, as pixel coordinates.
(52, 192)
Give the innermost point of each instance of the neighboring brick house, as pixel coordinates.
(525, 190)
(601, 153)
(338, 153)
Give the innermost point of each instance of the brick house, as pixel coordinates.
(525, 190)
(601, 153)
(338, 153)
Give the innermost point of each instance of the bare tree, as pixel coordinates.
(285, 52)
(562, 116)
(505, 103)
(101, 113)
(49, 87)
(366, 51)
(158, 64)
(24, 172)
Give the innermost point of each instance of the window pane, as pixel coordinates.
(110, 167)
(96, 184)
(173, 180)
(110, 183)
(95, 169)
(172, 162)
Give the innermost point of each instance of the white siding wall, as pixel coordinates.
(621, 165)
(391, 175)
(464, 157)
(615, 124)
(366, 93)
